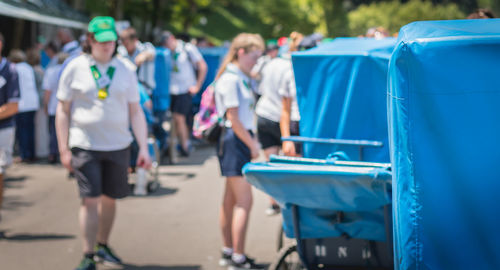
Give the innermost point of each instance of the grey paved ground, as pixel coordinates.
(174, 228)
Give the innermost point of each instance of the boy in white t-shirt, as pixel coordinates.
(186, 78)
(98, 100)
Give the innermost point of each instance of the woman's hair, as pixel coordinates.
(51, 45)
(17, 56)
(295, 38)
(86, 48)
(246, 41)
(33, 57)
(482, 13)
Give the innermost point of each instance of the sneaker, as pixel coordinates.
(225, 259)
(86, 264)
(246, 264)
(105, 255)
(272, 210)
(183, 152)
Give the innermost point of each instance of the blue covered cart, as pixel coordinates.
(338, 210)
(445, 129)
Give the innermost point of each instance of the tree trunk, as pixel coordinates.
(78, 5)
(17, 38)
(335, 17)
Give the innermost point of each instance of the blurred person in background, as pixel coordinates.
(271, 53)
(377, 33)
(50, 84)
(28, 105)
(41, 119)
(269, 106)
(9, 98)
(290, 116)
(482, 13)
(141, 54)
(68, 42)
(189, 70)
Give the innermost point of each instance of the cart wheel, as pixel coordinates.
(288, 259)
(153, 186)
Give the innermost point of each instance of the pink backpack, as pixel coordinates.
(207, 123)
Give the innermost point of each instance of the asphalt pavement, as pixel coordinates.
(174, 228)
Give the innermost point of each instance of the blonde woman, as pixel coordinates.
(237, 145)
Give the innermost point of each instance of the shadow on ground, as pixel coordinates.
(33, 237)
(187, 176)
(197, 157)
(158, 267)
(161, 191)
(15, 202)
(15, 179)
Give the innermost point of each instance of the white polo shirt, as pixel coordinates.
(50, 83)
(270, 103)
(29, 100)
(185, 56)
(232, 91)
(96, 124)
(289, 90)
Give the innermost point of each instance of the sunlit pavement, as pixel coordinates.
(174, 228)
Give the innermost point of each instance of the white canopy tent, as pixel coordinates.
(22, 12)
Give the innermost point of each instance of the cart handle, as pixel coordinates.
(360, 143)
(333, 161)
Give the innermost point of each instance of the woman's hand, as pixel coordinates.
(289, 149)
(255, 149)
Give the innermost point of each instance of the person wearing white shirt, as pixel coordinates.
(142, 55)
(68, 42)
(28, 105)
(237, 146)
(186, 78)
(98, 103)
(49, 86)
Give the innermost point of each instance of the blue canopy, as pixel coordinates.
(341, 91)
(213, 56)
(163, 66)
(444, 109)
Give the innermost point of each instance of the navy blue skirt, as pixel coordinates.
(233, 154)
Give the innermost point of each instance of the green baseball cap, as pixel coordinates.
(103, 29)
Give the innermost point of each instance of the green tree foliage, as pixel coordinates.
(393, 15)
(335, 17)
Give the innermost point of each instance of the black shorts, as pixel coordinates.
(294, 131)
(268, 132)
(233, 154)
(101, 172)
(181, 104)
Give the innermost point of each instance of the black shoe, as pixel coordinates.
(183, 152)
(53, 159)
(273, 209)
(245, 265)
(225, 259)
(105, 255)
(86, 264)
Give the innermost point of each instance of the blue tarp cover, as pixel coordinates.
(163, 66)
(321, 190)
(341, 91)
(444, 109)
(213, 56)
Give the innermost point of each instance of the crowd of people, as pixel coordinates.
(82, 103)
